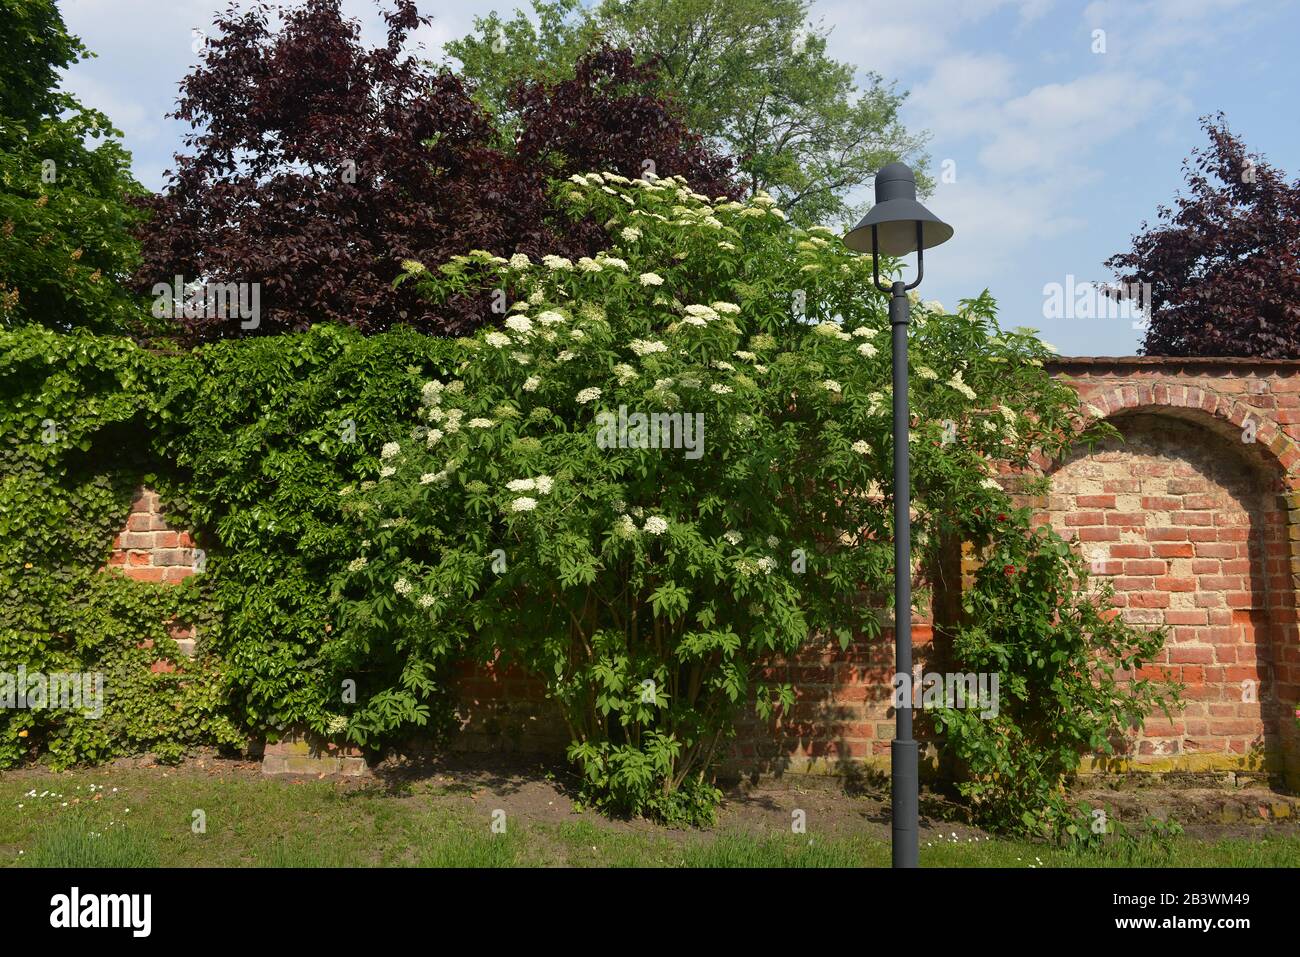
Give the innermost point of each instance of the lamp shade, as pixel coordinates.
(895, 216)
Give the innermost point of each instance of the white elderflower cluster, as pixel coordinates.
(957, 383)
(403, 587)
(861, 447)
(523, 504)
(867, 349)
(586, 264)
(389, 450)
(644, 347)
(387, 472)
(726, 308)
(701, 312)
(497, 340)
(520, 324)
(733, 537)
(480, 423)
(625, 527)
(557, 263)
(424, 601)
(432, 438)
(630, 233)
(655, 525)
(830, 385)
(431, 393)
(625, 373)
(531, 383)
(718, 389)
(520, 261)
(925, 372)
(650, 279)
(590, 394)
(358, 563)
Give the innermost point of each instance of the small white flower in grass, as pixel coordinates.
(630, 233)
(644, 347)
(719, 389)
(387, 471)
(497, 340)
(650, 279)
(519, 261)
(735, 538)
(556, 263)
(523, 504)
(655, 525)
(389, 450)
(830, 385)
(549, 318)
(520, 324)
(867, 349)
(403, 587)
(861, 447)
(590, 394)
(531, 383)
(480, 423)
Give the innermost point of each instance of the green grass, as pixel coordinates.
(139, 818)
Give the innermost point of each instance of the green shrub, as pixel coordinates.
(648, 587)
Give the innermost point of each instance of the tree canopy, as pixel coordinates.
(65, 241)
(317, 166)
(1221, 269)
(753, 76)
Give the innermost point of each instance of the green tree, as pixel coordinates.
(754, 76)
(65, 186)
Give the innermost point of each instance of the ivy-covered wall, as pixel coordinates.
(246, 443)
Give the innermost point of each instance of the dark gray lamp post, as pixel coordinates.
(896, 226)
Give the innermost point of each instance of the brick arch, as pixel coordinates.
(1226, 589)
(1220, 412)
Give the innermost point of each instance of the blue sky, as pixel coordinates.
(1057, 153)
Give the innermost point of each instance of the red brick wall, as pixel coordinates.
(1194, 516)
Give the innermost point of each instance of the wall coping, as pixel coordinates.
(1170, 363)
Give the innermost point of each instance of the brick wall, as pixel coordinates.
(1194, 515)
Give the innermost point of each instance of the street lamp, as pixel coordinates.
(896, 225)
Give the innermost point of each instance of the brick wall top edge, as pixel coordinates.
(1236, 363)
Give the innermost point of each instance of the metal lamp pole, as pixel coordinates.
(896, 226)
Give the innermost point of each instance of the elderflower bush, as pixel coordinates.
(647, 586)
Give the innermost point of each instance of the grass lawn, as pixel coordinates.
(147, 817)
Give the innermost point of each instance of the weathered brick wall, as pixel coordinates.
(1194, 516)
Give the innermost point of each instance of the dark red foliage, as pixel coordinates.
(1224, 267)
(281, 118)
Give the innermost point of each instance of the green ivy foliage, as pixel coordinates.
(76, 419)
(266, 431)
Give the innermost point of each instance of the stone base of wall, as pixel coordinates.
(300, 753)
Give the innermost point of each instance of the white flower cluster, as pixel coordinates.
(644, 347)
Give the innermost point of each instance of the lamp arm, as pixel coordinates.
(875, 260)
(920, 259)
